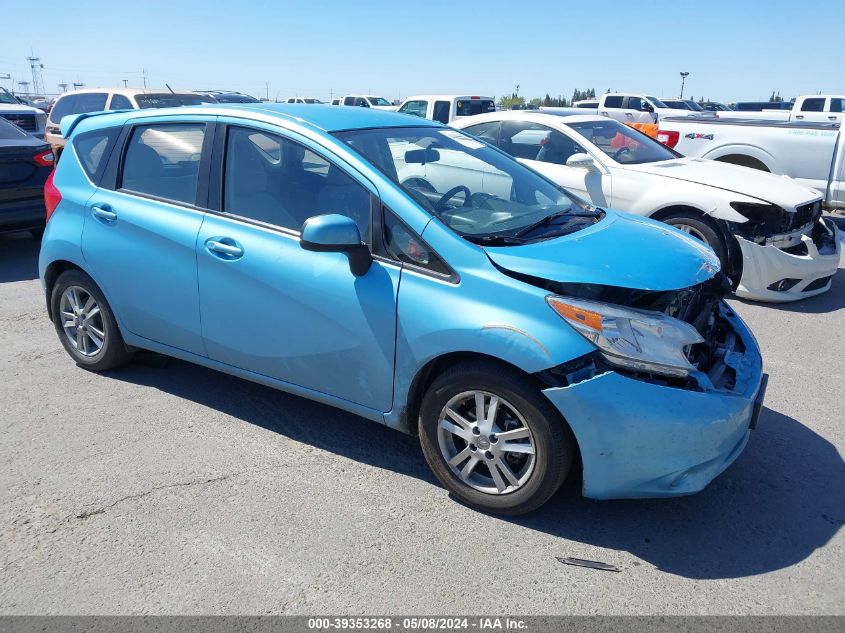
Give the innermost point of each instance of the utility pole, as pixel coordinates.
(78, 84)
(267, 91)
(125, 81)
(36, 67)
(24, 87)
(63, 86)
(684, 76)
(144, 75)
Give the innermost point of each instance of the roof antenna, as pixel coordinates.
(170, 89)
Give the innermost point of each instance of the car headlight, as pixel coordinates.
(768, 219)
(634, 339)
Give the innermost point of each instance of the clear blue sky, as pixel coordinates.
(740, 50)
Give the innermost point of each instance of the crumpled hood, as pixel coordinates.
(621, 250)
(780, 190)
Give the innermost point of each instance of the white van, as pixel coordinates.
(446, 108)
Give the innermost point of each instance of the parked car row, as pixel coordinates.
(562, 310)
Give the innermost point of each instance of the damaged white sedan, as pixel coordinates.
(767, 230)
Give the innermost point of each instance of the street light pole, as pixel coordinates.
(684, 76)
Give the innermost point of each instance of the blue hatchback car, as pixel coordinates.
(411, 274)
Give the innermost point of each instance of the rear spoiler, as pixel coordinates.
(69, 122)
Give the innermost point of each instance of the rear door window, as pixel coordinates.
(90, 102)
(163, 161)
(93, 150)
(813, 105)
(837, 104)
(614, 101)
(441, 111)
(119, 102)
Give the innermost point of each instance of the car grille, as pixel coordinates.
(23, 121)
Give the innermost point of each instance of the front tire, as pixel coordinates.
(701, 230)
(85, 323)
(493, 440)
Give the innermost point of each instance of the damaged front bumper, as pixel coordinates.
(639, 438)
(775, 272)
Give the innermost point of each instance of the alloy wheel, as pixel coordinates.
(486, 442)
(82, 321)
(692, 231)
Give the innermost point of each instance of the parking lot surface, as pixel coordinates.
(169, 488)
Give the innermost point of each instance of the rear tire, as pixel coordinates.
(509, 463)
(701, 230)
(85, 323)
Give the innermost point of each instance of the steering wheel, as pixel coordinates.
(441, 204)
(480, 199)
(619, 152)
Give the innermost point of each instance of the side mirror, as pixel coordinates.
(647, 107)
(581, 160)
(334, 233)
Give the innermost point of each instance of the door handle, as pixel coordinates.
(832, 118)
(228, 248)
(104, 213)
(799, 116)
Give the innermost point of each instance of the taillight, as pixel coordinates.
(45, 159)
(669, 138)
(52, 196)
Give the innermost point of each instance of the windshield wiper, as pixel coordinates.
(495, 240)
(594, 213)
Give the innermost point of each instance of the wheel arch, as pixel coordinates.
(745, 156)
(426, 375)
(52, 273)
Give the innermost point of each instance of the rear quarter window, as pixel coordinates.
(93, 150)
(63, 107)
(613, 102)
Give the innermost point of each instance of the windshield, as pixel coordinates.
(166, 100)
(379, 101)
(692, 105)
(622, 143)
(7, 97)
(656, 102)
(479, 192)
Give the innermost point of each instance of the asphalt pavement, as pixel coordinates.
(169, 488)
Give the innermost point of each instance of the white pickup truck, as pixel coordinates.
(30, 120)
(811, 153)
(624, 107)
(815, 108)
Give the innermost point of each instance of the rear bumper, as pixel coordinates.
(763, 266)
(640, 439)
(23, 214)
